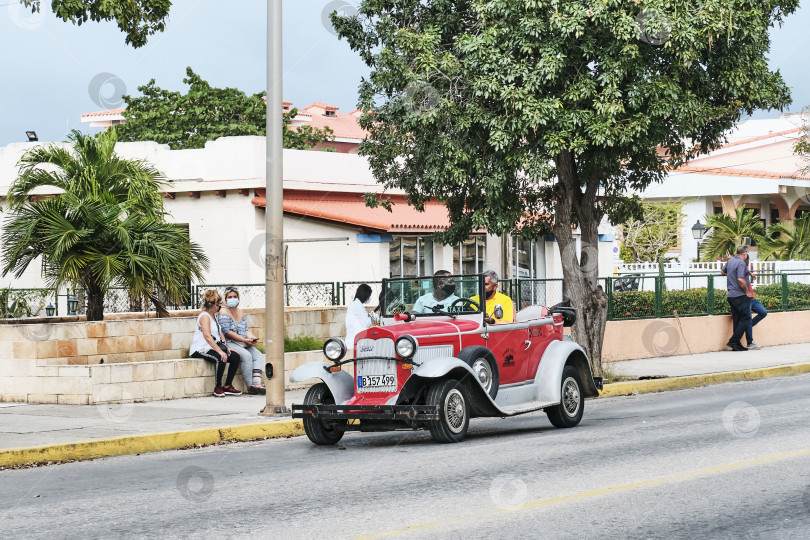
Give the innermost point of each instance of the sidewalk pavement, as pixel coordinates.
(32, 433)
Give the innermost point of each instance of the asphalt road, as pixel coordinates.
(728, 461)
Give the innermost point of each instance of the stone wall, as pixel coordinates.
(76, 362)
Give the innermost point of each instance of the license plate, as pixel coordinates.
(369, 382)
(376, 375)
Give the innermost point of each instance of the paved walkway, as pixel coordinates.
(24, 425)
(714, 362)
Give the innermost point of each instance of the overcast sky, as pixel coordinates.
(52, 71)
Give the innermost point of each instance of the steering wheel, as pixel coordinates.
(468, 303)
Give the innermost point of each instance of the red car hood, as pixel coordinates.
(430, 327)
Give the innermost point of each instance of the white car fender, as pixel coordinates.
(549, 372)
(341, 384)
(439, 367)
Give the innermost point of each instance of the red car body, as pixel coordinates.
(458, 367)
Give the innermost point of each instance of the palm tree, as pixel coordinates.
(106, 228)
(789, 240)
(728, 232)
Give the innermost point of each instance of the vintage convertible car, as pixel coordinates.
(436, 367)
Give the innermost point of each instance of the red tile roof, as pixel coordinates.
(320, 105)
(111, 112)
(351, 209)
(728, 171)
(344, 126)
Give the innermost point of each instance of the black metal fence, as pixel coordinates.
(636, 296)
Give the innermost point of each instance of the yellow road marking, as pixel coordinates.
(587, 494)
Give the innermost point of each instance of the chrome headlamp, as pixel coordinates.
(334, 349)
(406, 346)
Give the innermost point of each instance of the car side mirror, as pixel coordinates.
(498, 313)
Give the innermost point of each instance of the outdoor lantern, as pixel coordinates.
(50, 310)
(73, 304)
(32, 136)
(698, 230)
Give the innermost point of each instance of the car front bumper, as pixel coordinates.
(408, 414)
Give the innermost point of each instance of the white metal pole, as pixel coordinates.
(274, 272)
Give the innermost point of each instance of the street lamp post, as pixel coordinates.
(698, 230)
(274, 219)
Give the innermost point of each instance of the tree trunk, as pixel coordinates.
(160, 307)
(95, 302)
(581, 270)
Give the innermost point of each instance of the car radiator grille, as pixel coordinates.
(375, 347)
(376, 366)
(432, 351)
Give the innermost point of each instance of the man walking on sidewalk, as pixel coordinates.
(739, 297)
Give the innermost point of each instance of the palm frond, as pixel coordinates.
(727, 232)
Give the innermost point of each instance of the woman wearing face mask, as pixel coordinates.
(209, 344)
(233, 321)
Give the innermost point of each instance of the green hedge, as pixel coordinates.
(798, 295)
(302, 343)
(641, 304)
(632, 305)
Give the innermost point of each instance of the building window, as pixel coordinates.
(410, 256)
(524, 258)
(469, 256)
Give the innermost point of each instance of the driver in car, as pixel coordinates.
(442, 296)
(495, 298)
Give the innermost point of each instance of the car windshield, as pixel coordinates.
(433, 295)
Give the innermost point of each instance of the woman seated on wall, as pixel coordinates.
(209, 344)
(233, 321)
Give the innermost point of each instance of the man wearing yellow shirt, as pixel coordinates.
(494, 298)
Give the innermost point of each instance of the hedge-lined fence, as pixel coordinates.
(785, 295)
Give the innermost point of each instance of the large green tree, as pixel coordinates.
(540, 115)
(137, 19)
(205, 113)
(105, 228)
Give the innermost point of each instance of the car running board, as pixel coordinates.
(523, 408)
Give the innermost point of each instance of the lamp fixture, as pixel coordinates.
(698, 230)
(73, 304)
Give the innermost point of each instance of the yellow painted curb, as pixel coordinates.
(149, 442)
(692, 381)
